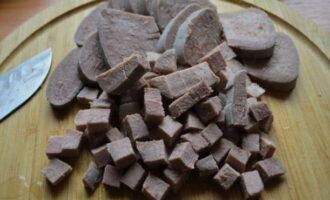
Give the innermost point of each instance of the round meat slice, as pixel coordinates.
(167, 38)
(279, 72)
(122, 34)
(88, 25)
(199, 34)
(64, 83)
(250, 32)
(91, 61)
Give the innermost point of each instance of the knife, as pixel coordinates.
(19, 83)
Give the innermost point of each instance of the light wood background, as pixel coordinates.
(301, 126)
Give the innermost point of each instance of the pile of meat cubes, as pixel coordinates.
(165, 92)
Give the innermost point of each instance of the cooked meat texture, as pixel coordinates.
(54, 146)
(251, 184)
(238, 158)
(208, 109)
(122, 76)
(152, 58)
(64, 83)
(95, 140)
(119, 5)
(207, 166)
(267, 146)
(87, 95)
(111, 176)
(193, 123)
(56, 170)
(188, 100)
(200, 33)
(254, 90)
(197, 141)
(211, 133)
(137, 90)
(128, 109)
(251, 143)
(134, 177)
(226, 177)
(175, 178)
(220, 120)
(183, 157)
(114, 134)
(153, 106)
(122, 152)
(92, 176)
(167, 38)
(155, 188)
(101, 156)
(252, 126)
(263, 115)
(226, 52)
(166, 63)
(138, 6)
(180, 82)
(83, 117)
(215, 59)
(169, 130)
(88, 25)
(250, 32)
(135, 127)
(270, 168)
(91, 62)
(98, 123)
(166, 10)
(153, 152)
(139, 34)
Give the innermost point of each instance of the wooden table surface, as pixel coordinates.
(15, 12)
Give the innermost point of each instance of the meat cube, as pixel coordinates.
(137, 89)
(251, 184)
(128, 109)
(122, 76)
(238, 158)
(155, 188)
(101, 156)
(99, 122)
(212, 133)
(152, 58)
(169, 130)
(192, 123)
(166, 63)
(153, 152)
(54, 146)
(254, 90)
(260, 111)
(267, 146)
(226, 177)
(183, 157)
(220, 120)
(114, 134)
(56, 170)
(71, 143)
(188, 100)
(197, 141)
(134, 177)
(266, 124)
(252, 126)
(215, 59)
(92, 176)
(226, 52)
(221, 149)
(153, 106)
(207, 166)
(225, 75)
(82, 117)
(209, 109)
(100, 103)
(111, 176)
(92, 116)
(251, 143)
(135, 127)
(269, 168)
(96, 140)
(87, 95)
(122, 152)
(175, 178)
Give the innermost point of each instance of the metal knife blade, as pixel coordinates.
(19, 83)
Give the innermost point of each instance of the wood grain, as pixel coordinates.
(301, 125)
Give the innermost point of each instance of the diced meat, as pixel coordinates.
(114, 134)
(226, 177)
(64, 83)
(137, 90)
(98, 123)
(153, 106)
(221, 149)
(152, 57)
(197, 141)
(254, 90)
(138, 6)
(122, 76)
(267, 146)
(166, 63)
(208, 109)
(100, 103)
(169, 130)
(251, 143)
(270, 168)
(54, 146)
(128, 109)
(252, 126)
(83, 117)
(188, 100)
(167, 38)
(225, 75)
(139, 35)
(134, 177)
(192, 123)
(135, 127)
(101, 156)
(207, 166)
(155, 188)
(251, 184)
(122, 152)
(95, 140)
(215, 59)
(183, 157)
(262, 114)
(250, 32)
(175, 178)
(212, 134)
(92, 176)
(238, 158)
(226, 52)
(220, 120)
(178, 83)
(197, 35)
(111, 176)
(87, 95)
(56, 170)
(71, 143)
(153, 152)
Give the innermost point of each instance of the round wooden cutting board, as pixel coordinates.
(301, 127)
